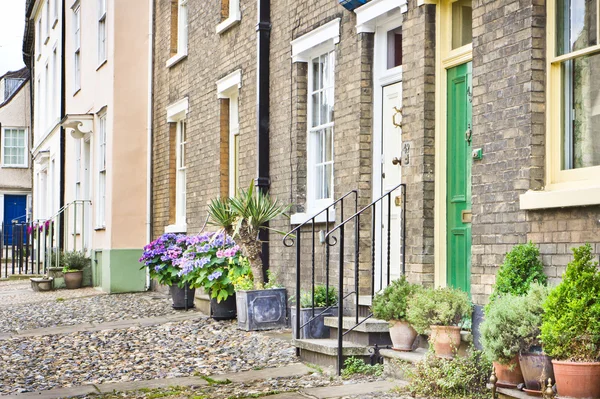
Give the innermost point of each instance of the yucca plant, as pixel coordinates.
(244, 216)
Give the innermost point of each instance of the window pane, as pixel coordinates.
(316, 117)
(581, 112)
(327, 181)
(328, 145)
(462, 23)
(319, 181)
(316, 74)
(394, 48)
(576, 25)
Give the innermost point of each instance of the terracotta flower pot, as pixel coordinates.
(403, 335)
(537, 368)
(446, 340)
(579, 380)
(73, 280)
(509, 375)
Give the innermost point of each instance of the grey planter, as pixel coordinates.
(316, 328)
(261, 309)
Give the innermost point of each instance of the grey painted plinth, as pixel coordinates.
(261, 309)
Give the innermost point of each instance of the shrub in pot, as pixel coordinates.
(511, 326)
(571, 327)
(74, 263)
(521, 268)
(208, 262)
(244, 216)
(162, 257)
(441, 310)
(313, 313)
(390, 305)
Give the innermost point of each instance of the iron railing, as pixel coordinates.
(294, 238)
(336, 236)
(36, 245)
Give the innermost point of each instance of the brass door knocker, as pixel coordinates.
(396, 113)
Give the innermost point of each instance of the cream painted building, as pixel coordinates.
(105, 123)
(15, 140)
(106, 96)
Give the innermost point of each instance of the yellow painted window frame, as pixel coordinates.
(556, 177)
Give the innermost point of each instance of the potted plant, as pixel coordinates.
(390, 305)
(74, 262)
(244, 217)
(441, 310)
(571, 327)
(313, 313)
(535, 364)
(522, 267)
(209, 262)
(163, 257)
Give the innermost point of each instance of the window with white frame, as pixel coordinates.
(317, 49)
(77, 46)
(182, 27)
(101, 200)
(320, 132)
(102, 32)
(229, 88)
(39, 37)
(14, 147)
(230, 14)
(48, 21)
(180, 179)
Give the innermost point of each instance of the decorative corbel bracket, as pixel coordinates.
(81, 125)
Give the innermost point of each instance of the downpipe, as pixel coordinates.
(149, 203)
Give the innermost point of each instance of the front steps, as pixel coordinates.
(369, 333)
(324, 351)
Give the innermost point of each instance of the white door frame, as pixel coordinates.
(382, 76)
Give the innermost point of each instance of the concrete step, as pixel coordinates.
(368, 333)
(370, 325)
(396, 362)
(324, 351)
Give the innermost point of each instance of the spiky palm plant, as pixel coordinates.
(244, 216)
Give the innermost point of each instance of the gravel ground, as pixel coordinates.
(64, 311)
(15, 292)
(259, 388)
(200, 347)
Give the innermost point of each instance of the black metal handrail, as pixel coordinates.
(332, 240)
(294, 237)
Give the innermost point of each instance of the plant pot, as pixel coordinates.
(403, 335)
(316, 328)
(261, 309)
(537, 368)
(183, 298)
(577, 379)
(224, 310)
(73, 279)
(509, 375)
(446, 340)
(39, 284)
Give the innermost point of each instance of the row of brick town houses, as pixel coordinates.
(145, 110)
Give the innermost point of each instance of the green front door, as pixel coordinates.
(458, 178)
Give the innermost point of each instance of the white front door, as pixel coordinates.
(389, 212)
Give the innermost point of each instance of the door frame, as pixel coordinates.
(381, 77)
(446, 58)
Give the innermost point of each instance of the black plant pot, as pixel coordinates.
(261, 309)
(225, 310)
(183, 298)
(316, 328)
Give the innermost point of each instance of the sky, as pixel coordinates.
(12, 23)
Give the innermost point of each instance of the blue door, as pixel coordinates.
(15, 207)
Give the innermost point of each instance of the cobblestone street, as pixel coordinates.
(132, 344)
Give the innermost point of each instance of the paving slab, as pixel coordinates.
(151, 384)
(288, 395)
(56, 393)
(352, 389)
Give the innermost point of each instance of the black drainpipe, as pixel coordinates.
(263, 29)
(63, 106)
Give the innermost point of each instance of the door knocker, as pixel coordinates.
(396, 113)
(468, 134)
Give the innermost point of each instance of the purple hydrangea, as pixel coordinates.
(215, 275)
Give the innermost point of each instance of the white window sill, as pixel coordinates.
(568, 197)
(228, 23)
(176, 228)
(175, 59)
(299, 218)
(101, 64)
